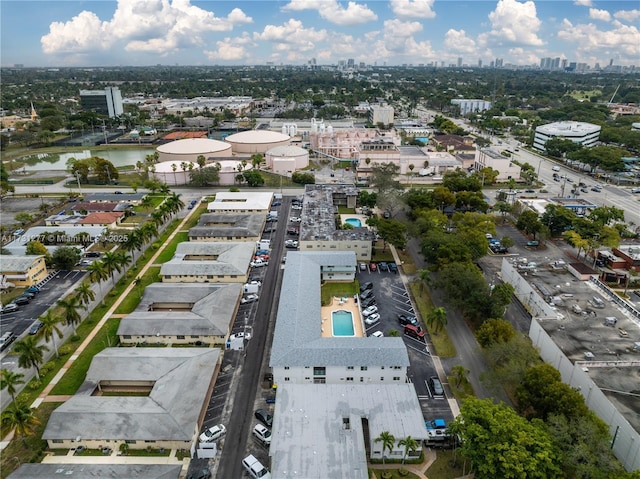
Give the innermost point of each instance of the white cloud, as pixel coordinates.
(627, 15)
(457, 41)
(413, 8)
(291, 34)
(620, 40)
(513, 24)
(159, 26)
(583, 3)
(230, 49)
(333, 12)
(601, 15)
(524, 57)
(84, 32)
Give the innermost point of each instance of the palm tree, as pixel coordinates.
(388, 440)
(30, 353)
(97, 274)
(123, 259)
(111, 264)
(70, 306)
(184, 166)
(85, 294)
(410, 444)
(134, 240)
(201, 161)
(437, 316)
(394, 333)
(459, 372)
(148, 231)
(50, 329)
(146, 203)
(21, 418)
(425, 278)
(158, 216)
(10, 380)
(137, 282)
(174, 167)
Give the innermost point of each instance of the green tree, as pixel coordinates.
(85, 293)
(22, 420)
(97, 274)
(253, 178)
(70, 306)
(383, 177)
(366, 198)
(494, 330)
(409, 444)
(459, 373)
(24, 218)
(529, 223)
(499, 443)
(558, 219)
(504, 209)
(392, 231)
(11, 381)
(50, 328)
(104, 171)
(65, 257)
(35, 247)
(111, 263)
(205, 176)
(388, 440)
(30, 353)
(438, 317)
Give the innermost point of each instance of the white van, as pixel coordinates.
(255, 468)
(556, 168)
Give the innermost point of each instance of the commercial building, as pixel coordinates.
(585, 134)
(319, 217)
(105, 102)
(177, 383)
(381, 114)
(208, 262)
(506, 168)
(241, 202)
(228, 227)
(196, 314)
(22, 271)
(471, 106)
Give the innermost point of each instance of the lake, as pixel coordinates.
(55, 161)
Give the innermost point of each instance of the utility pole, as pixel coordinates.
(78, 178)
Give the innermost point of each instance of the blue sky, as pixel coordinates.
(391, 32)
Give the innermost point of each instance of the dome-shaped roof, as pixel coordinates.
(287, 150)
(193, 146)
(165, 166)
(257, 136)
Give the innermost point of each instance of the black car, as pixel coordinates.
(264, 417)
(37, 326)
(366, 286)
(21, 300)
(368, 302)
(92, 254)
(199, 474)
(406, 319)
(366, 294)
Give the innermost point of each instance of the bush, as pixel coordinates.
(386, 475)
(34, 384)
(403, 472)
(65, 350)
(46, 368)
(75, 337)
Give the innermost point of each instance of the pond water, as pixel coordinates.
(55, 161)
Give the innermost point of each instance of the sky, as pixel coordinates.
(89, 33)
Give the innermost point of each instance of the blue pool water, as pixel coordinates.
(355, 222)
(342, 323)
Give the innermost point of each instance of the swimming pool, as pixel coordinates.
(342, 323)
(355, 222)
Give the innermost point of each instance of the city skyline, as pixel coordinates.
(396, 32)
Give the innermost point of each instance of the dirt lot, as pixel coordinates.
(12, 206)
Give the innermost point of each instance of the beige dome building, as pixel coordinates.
(286, 159)
(189, 149)
(256, 141)
(229, 170)
(164, 172)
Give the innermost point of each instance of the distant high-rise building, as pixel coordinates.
(611, 62)
(469, 106)
(381, 114)
(480, 63)
(351, 63)
(106, 102)
(459, 61)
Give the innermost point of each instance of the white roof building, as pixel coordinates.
(241, 202)
(586, 134)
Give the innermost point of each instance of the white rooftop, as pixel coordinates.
(241, 201)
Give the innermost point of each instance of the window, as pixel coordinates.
(319, 380)
(286, 368)
(129, 441)
(346, 423)
(363, 368)
(286, 379)
(397, 367)
(350, 379)
(150, 441)
(319, 371)
(180, 336)
(381, 378)
(361, 379)
(350, 368)
(396, 378)
(126, 336)
(57, 441)
(307, 379)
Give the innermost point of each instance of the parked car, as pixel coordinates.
(213, 433)
(10, 308)
(383, 266)
(255, 468)
(250, 298)
(259, 263)
(370, 301)
(436, 386)
(295, 219)
(92, 254)
(262, 434)
(296, 207)
(366, 286)
(393, 267)
(291, 244)
(372, 319)
(414, 332)
(406, 319)
(33, 289)
(373, 267)
(37, 326)
(200, 474)
(264, 417)
(21, 300)
(377, 334)
(370, 310)
(363, 266)
(29, 294)
(6, 339)
(366, 294)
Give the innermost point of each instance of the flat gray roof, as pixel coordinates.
(298, 340)
(180, 376)
(93, 471)
(209, 258)
(237, 225)
(309, 439)
(10, 262)
(212, 311)
(114, 198)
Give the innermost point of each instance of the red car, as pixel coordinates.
(373, 267)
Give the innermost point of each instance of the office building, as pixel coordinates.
(106, 102)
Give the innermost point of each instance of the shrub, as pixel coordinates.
(65, 350)
(46, 368)
(34, 384)
(76, 337)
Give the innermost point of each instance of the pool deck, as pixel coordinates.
(363, 219)
(348, 304)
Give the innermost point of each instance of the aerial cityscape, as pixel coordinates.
(362, 240)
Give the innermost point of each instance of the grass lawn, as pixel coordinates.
(328, 290)
(74, 377)
(29, 449)
(343, 210)
(195, 216)
(130, 303)
(442, 343)
(382, 254)
(170, 249)
(445, 468)
(462, 391)
(136, 220)
(392, 474)
(149, 452)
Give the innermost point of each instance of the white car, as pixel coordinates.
(295, 219)
(240, 335)
(259, 263)
(296, 207)
(213, 433)
(372, 319)
(250, 298)
(262, 433)
(377, 334)
(290, 244)
(370, 310)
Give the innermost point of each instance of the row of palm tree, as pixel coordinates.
(21, 418)
(388, 440)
